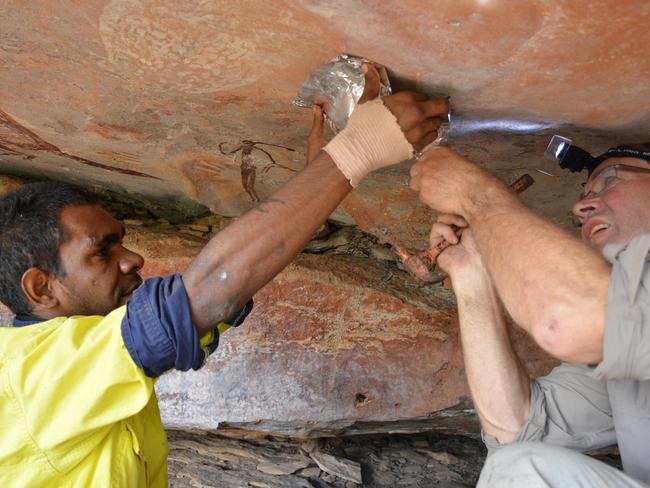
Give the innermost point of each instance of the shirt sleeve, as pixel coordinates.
(626, 346)
(158, 330)
(568, 408)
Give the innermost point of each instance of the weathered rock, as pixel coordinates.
(337, 239)
(331, 346)
(196, 460)
(162, 89)
(258, 484)
(277, 469)
(310, 445)
(309, 472)
(133, 222)
(8, 183)
(340, 467)
(443, 457)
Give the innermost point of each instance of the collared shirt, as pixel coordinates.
(77, 404)
(588, 408)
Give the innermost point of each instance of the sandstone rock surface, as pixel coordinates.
(334, 344)
(139, 94)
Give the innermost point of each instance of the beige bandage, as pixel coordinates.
(371, 140)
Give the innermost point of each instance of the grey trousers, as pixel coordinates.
(534, 464)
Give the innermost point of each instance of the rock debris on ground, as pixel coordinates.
(416, 460)
(434, 459)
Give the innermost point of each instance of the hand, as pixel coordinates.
(449, 183)
(462, 260)
(316, 139)
(385, 131)
(418, 116)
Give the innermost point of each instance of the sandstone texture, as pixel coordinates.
(148, 95)
(336, 343)
(153, 98)
(412, 461)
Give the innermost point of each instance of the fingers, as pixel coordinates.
(317, 124)
(446, 231)
(419, 117)
(437, 107)
(417, 169)
(453, 219)
(373, 83)
(414, 180)
(428, 107)
(425, 141)
(435, 156)
(435, 237)
(424, 133)
(316, 139)
(416, 96)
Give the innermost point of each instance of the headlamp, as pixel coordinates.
(576, 159)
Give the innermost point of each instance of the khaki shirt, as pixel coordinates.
(588, 408)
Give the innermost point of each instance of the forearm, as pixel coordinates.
(552, 285)
(498, 383)
(252, 250)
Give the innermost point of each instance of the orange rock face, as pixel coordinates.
(334, 344)
(333, 341)
(156, 96)
(139, 94)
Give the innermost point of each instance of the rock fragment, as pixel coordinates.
(280, 469)
(310, 472)
(310, 445)
(443, 458)
(343, 468)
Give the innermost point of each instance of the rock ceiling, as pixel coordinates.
(139, 94)
(146, 96)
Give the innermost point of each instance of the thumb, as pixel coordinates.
(373, 83)
(316, 131)
(316, 139)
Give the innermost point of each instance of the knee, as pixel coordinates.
(519, 461)
(511, 454)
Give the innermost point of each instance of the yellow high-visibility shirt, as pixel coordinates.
(75, 410)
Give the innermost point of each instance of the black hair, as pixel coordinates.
(31, 234)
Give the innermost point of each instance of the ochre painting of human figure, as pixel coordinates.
(247, 163)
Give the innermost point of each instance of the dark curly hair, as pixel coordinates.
(30, 235)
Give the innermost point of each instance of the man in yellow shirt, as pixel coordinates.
(77, 405)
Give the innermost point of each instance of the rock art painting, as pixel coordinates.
(16, 139)
(248, 166)
(150, 87)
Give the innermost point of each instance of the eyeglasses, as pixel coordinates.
(608, 177)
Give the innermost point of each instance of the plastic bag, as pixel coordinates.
(338, 86)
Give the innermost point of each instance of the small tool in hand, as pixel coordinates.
(421, 264)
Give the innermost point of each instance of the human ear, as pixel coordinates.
(36, 286)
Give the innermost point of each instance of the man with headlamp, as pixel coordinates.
(591, 313)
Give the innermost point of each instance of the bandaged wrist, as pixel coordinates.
(371, 140)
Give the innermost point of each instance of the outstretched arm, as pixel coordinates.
(221, 144)
(553, 285)
(242, 258)
(250, 252)
(498, 383)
